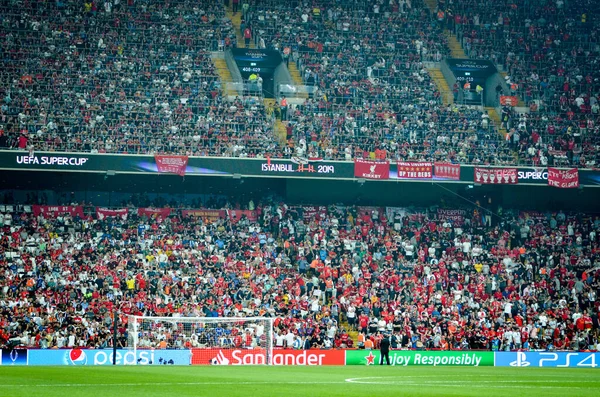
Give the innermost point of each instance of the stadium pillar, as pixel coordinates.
(115, 319)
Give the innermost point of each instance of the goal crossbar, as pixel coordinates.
(211, 339)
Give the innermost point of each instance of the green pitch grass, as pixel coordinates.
(296, 381)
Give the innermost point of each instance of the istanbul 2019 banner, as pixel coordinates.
(285, 168)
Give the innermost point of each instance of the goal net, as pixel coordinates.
(212, 340)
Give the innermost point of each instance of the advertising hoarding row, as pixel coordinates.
(82, 357)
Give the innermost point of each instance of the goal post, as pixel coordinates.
(212, 340)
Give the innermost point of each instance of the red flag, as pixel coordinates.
(154, 212)
(447, 171)
(55, 210)
(496, 176)
(171, 164)
(102, 213)
(414, 170)
(564, 179)
(371, 169)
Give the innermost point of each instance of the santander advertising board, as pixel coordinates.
(258, 357)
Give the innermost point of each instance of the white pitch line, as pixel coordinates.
(168, 384)
(476, 384)
(403, 381)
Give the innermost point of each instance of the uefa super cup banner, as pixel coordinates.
(496, 176)
(427, 358)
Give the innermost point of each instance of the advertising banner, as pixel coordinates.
(371, 169)
(14, 357)
(447, 171)
(102, 213)
(171, 164)
(154, 212)
(258, 356)
(427, 358)
(548, 359)
(414, 170)
(563, 179)
(105, 357)
(498, 176)
(206, 214)
(55, 210)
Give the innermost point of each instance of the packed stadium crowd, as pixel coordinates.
(550, 52)
(137, 77)
(432, 278)
(122, 77)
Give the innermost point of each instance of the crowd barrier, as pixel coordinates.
(79, 357)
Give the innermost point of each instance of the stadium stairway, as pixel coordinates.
(280, 131)
(352, 334)
(279, 128)
(442, 85)
(295, 73)
(225, 76)
(456, 50)
(495, 118)
(432, 5)
(520, 102)
(236, 20)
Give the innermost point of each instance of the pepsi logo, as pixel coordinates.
(77, 357)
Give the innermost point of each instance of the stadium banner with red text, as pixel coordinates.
(236, 215)
(414, 170)
(154, 212)
(426, 358)
(312, 212)
(55, 210)
(102, 213)
(206, 214)
(371, 169)
(216, 356)
(171, 164)
(447, 171)
(456, 217)
(537, 215)
(508, 100)
(563, 179)
(496, 176)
